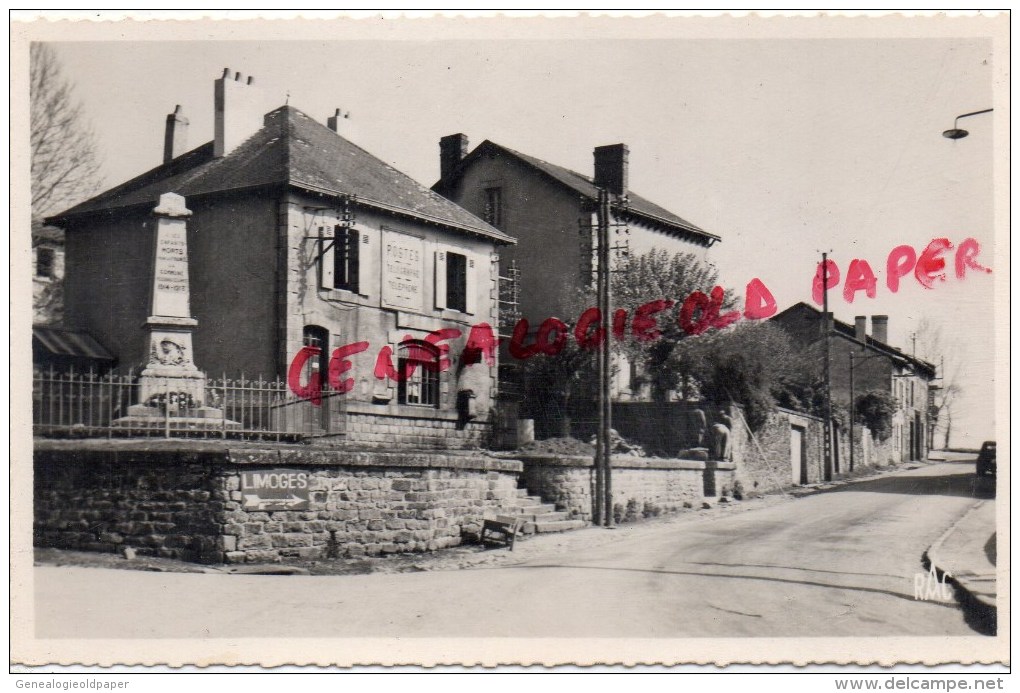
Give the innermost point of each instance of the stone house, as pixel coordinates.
(542, 206)
(876, 366)
(299, 238)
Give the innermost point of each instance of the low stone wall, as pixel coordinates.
(766, 458)
(666, 484)
(430, 431)
(183, 499)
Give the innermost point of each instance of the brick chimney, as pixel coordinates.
(861, 328)
(239, 110)
(611, 168)
(335, 121)
(452, 150)
(175, 142)
(880, 328)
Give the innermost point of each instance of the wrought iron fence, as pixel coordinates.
(76, 404)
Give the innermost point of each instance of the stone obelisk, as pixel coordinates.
(170, 380)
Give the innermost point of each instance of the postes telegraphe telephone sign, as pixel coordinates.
(274, 489)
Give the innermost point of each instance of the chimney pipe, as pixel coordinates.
(880, 328)
(175, 141)
(239, 111)
(861, 328)
(333, 122)
(611, 168)
(452, 149)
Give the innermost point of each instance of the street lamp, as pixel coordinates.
(955, 133)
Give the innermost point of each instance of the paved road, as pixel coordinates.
(837, 563)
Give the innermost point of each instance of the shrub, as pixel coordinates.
(651, 510)
(632, 510)
(875, 410)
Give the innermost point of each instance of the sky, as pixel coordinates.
(783, 147)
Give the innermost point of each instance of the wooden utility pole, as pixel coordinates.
(604, 447)
(827, 326)
(852, 412)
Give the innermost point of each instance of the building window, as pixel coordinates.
(494, 206)
(318, 337)
(419, 362)
(456, 282)
(44, 261)
(345, 270)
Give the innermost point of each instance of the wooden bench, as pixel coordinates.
(502, 529)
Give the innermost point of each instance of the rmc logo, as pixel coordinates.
(928, 587)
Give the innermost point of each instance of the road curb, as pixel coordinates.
(982, 609)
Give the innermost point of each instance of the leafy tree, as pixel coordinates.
(659, 274)
(65, 166)
(557, 384)
(753, 364)
(565, 384)
(875, 410)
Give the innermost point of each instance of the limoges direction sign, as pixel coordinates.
(274, 489)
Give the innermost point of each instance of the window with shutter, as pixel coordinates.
(327, 258)
(347, 244)
(440, 279)
(456, 282)
(421, 387)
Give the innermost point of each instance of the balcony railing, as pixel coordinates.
(92, 405)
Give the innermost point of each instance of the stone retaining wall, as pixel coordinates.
(569, 481)
(182, 500)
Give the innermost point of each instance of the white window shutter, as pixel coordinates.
(327, 257)
(440, 279)
(471, 281)
(365, 278)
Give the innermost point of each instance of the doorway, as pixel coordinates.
(798, 455)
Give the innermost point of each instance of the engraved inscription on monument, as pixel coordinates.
(170, 297)
(402, 260)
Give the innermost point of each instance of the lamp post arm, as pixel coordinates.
(972, 113)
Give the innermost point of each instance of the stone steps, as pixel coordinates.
(532, 509)
(543, 517)
(543, 527)
(539, 517)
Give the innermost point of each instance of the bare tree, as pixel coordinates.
(65, 166)
(930, 345)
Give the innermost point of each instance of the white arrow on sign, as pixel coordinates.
(254, 502)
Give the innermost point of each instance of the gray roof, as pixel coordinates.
(638, 207)
(294, 150)
(849, 331)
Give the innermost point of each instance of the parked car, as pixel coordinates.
(986, 458)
